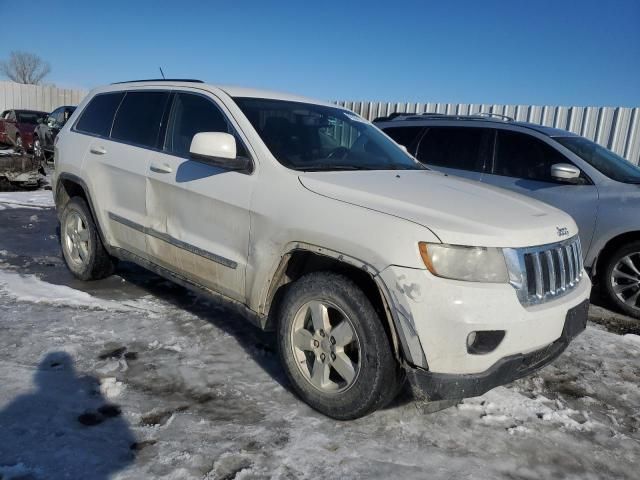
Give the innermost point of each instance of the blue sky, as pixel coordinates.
(565, 52)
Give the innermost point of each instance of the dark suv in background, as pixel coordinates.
(47, 130)
(598, 188)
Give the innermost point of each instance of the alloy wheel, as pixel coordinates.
(76, 239)
(325, 346)
(625, 280)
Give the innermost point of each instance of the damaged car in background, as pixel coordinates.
(19, 170)
(17, 127)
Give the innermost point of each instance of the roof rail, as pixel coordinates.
(444, 116)
(506, 118)
(189, 80)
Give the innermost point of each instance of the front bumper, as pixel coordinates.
(442, 386)
(437, 315)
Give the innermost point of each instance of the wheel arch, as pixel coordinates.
(610, 247)
(68, 186)
(304, 258)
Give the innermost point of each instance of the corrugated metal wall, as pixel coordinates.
(616, 128)
(37, 97)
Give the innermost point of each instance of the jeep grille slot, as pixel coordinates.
(549, 271)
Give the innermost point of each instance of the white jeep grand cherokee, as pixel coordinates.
(371, 268)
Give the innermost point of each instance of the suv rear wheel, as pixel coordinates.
(334, 348)
(621, 279)
(82, 248)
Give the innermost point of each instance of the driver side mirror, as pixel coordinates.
(565, 172)
(219, 150)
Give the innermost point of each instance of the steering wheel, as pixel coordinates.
(339, 152)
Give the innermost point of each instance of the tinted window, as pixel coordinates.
(97, 117)
(407, 136)
(607, 162)
(138, 118)
(58, 115)
(191, 114)
(461, 148)
(522, 156)
(29, 117)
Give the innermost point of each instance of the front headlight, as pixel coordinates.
(472, 264)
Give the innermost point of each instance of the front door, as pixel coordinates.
(199, 214)
(522, 163)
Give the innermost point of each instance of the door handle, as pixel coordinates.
(98, 150)
(160, 168)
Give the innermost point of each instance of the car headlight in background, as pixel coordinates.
(471, 264)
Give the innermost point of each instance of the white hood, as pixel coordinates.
(456, 210)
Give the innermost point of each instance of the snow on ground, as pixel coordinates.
(26, 199)
(181, 388)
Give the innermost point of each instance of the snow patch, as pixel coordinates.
(110, 387)
(38, 200)
(632, 338)
(29, 288)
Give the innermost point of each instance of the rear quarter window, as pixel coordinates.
(97, 116)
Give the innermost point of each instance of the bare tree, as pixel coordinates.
(24, 67)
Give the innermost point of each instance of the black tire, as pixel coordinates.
(606, 283)
(379, 375)
(98, 263)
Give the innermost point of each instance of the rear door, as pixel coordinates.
(522, 163)
(118, 160)
(460, 151)
(199, 213)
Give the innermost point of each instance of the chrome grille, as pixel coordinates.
(543, 273)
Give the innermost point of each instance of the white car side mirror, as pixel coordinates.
(565, 172)
(217, 149)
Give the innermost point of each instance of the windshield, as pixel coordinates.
(309, 137)
(29, 117)
(604, 160)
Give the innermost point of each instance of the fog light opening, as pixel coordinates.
(485, 341)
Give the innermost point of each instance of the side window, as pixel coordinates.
(12, 116)
(191, 114)
(97, 116)
(56, 114)
(407, 136)
(520, 155)
(138, 118)
(451, 147)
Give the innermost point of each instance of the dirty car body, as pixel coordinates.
(273, 200)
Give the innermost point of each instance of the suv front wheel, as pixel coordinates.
(82, 248)
(334, 347)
